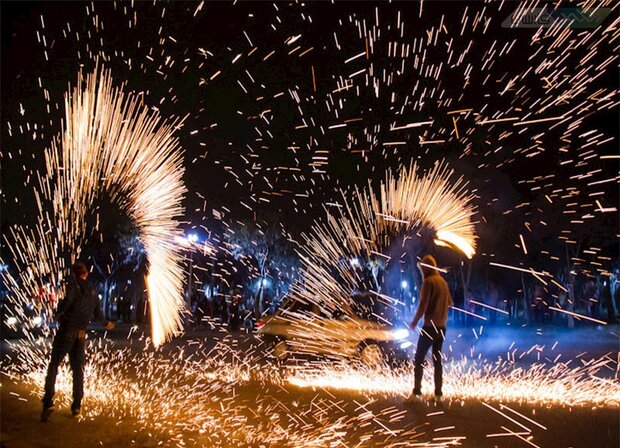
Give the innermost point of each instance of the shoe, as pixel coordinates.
(76, 412)
(47, 411)
(413, 398)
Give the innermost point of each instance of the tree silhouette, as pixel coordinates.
(266, 251)
(113, 249)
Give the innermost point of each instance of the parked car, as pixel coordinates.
(359, 330)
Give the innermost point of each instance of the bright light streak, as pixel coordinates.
(434, 268)
(489, 306)
(411, 125)
(579, 316)
(468, 312)
(529, 271)
(523, 244)
(516, 434)
(503, 406)
(456, 241)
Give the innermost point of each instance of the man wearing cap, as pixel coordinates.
(435, 299)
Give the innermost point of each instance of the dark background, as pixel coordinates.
(510, 183)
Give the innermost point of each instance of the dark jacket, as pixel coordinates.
(79, 306)
(435, 298)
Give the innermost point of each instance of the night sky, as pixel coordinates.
(288, 102)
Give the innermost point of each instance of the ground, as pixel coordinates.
(222, 392)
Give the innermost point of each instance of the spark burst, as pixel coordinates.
(559, 384)
(194, 396)
(408, 204)
(109, 142)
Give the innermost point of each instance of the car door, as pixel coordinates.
(341, 334)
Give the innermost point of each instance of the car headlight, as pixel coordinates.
(401, 333)
(11, 321)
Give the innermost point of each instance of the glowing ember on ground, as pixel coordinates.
(558, 384)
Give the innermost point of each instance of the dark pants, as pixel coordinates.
(72, 342)
(429, 337)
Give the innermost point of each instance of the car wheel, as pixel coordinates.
(371, 354)
(281, 350)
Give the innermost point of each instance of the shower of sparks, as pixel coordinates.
(559, 384)
(195, 399)
(368, 225)
(110, 142)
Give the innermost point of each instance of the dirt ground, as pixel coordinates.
(469, 421)
(577, 427)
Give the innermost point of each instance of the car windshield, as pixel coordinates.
(371, 307)
(297, 307)
(365, 306)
